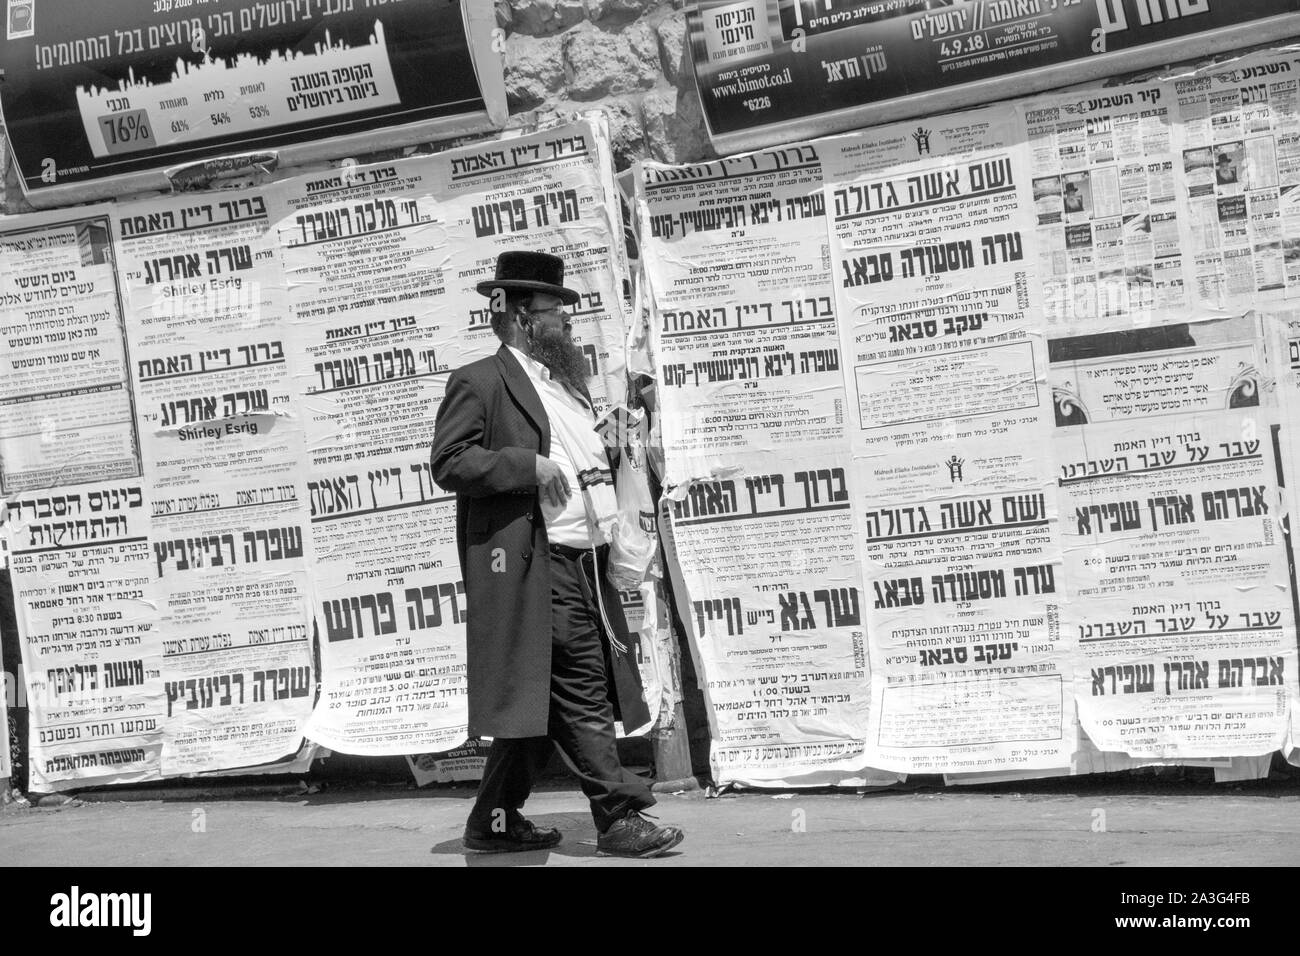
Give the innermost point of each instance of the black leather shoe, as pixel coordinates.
(520, 835)
(634, 835)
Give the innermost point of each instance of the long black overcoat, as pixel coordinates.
(490, 428)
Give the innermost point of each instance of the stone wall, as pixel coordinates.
(629, 57)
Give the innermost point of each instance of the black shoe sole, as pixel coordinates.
(649, 854)
(502, 846)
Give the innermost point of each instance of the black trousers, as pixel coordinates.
(581, 720)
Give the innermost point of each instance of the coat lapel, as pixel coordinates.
(523, 392)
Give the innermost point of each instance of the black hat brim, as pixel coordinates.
(489, 286)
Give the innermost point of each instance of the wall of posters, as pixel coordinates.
(99, 99)
(774, 71)
(1069, 460)
(381, 266)
(280, 353)
(979, 439)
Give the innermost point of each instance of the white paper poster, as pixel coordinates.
(1174, 559)
(66, 414)
(87, 604)
(743, 319)
(1109, 231)
(932, 257)
(771, 566)
(222, 455)
(1239, 139)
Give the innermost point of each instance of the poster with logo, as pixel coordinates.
(949, 414)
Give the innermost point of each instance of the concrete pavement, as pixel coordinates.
(1086, 822)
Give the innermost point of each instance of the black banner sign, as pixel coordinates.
(773, 71)
(97, 93)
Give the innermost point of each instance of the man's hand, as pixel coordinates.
(551, 483)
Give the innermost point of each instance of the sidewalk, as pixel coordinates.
(1086, 822)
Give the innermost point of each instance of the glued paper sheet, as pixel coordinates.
(222, 453)
(931, 253)
(1174, 558)
(66, 412)
(744, 323)
(771, 566)
(87, 601)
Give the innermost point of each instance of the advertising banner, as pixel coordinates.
(99, 98)
(776, 71)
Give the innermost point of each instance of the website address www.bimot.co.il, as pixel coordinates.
(1203, 923)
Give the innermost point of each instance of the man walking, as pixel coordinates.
(547, 641)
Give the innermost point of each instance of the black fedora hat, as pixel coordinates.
(521, 271)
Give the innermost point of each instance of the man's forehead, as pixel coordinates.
(544, 300)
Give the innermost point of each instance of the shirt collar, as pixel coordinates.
(534, 368)
(540, 373)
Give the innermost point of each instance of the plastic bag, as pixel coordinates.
(634, 539)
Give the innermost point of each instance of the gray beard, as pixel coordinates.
(557, 351)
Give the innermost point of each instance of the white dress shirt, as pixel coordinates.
(568, 415)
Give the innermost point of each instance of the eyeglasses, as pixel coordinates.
(553, 310)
